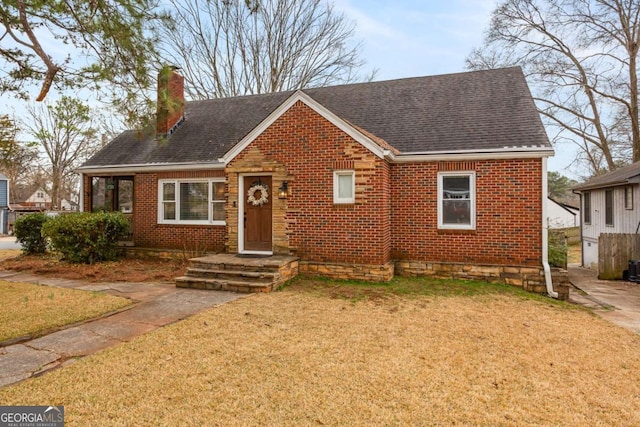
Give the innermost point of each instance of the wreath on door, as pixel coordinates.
(264, 195)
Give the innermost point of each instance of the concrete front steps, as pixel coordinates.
(238, 273)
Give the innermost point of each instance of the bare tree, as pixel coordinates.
(581, 58)
(65, 134)
(231, 47)
(17, 158)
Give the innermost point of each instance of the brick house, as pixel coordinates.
(441, 175)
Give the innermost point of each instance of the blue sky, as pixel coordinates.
(408, 38)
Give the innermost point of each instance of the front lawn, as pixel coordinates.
(324, 353)
(9, 253)
(31, 310)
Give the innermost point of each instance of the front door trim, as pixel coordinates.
(241, 203)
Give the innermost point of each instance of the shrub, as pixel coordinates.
(557, 249)
(28, 232)
(86, 237)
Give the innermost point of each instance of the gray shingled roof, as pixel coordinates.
(474, 111)
(622, 176)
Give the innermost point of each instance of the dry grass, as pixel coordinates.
(304, 358)
(127, 269)
(9, 253)
(31, 310)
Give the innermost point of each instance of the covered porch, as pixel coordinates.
(112, 193)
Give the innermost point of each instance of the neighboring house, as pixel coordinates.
(16, 211)
(39, 199)
(4, 204)
(562, 215)
(442, 175)
(609, 205)
(67, 205)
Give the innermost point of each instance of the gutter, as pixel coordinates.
(148, 167)
(490, 154)
(545, 233)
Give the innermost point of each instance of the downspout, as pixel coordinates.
(545, 233)
(581, 214)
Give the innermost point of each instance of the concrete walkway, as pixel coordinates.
(9, 242)
(156, 305)
(614, 300)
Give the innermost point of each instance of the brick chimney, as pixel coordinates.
(170, 101)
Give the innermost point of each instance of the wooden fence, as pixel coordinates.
(614, 253)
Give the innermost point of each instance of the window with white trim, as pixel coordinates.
(456, 200)
(191, 201)
(344, 186)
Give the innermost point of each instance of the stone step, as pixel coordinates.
(223, 284)
(210, 265)
(238, 273)
(243, 275)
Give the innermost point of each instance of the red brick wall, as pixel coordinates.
(149, 234)
(395, 213)
(311, 148)
(508, 213)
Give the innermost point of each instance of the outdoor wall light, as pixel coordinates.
(283, 191)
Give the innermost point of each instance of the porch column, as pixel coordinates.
(81, 199)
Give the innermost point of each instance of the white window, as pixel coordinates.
(191, 201)
(457, 200)
(344, 186)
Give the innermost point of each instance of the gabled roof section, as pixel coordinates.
(300, 96)
(571, 209)
(488, 111)
(625, 175)
(210, 129)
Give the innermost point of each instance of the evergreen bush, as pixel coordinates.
(87, 237)
(557, 249)
(28, 232)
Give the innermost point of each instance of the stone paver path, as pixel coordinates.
(156, 305)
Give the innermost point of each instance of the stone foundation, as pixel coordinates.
(528, 278)
(369, 273)
(138, 252)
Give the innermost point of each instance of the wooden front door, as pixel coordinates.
(257, 213)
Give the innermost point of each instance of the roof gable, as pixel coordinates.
(300, 96)
(571, 209)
